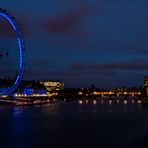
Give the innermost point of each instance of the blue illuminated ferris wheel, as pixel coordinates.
(22, 53)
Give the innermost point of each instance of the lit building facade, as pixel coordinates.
(146, 86)
(53, 85)
(31, 88)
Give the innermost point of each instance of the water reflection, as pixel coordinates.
(133, 101)
(94, 102)
(146, 138)
(111, 104)
(80, 102)
(102, 101)
(125, 102)
(139, 101)
(17, 129)
(17, 111)
(74, 122)
(110, 101)
(87, 101)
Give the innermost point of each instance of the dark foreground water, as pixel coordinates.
(74, 125)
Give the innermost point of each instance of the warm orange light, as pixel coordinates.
(95, 93)
(80, 93)
(95, 102)
(110, 92)
(80, 102)
(125, 93)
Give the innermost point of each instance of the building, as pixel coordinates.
(53, 85)
(31, 88)
(34, 88)
(146, 86)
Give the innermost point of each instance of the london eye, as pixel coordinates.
(22, 53)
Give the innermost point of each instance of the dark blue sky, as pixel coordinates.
(84, 42)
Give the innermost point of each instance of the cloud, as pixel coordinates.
(83, 78)
(127, 65)
(38, 62)
(6, 30)
(141, 51)
(70, 22)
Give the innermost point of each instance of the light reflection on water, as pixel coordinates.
(111, 105)
(18, 111)
(78, 123)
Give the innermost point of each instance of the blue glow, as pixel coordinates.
(20, 47)
(41, 91)
(21, 55)
(17, 79)
(28, 91)
(8, 18)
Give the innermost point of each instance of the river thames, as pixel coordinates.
(74, 124)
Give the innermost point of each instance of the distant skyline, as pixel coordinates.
(81, 42)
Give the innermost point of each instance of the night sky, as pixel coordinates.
(83, 42)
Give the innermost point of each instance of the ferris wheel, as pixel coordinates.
(22, 53)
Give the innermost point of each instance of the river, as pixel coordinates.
(74, 124)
